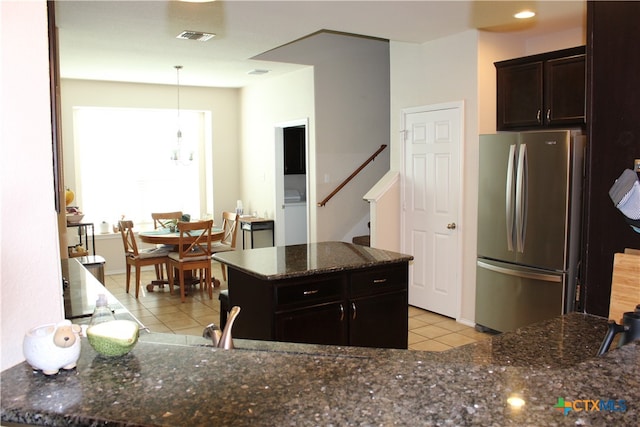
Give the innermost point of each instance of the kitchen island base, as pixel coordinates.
(330, 293)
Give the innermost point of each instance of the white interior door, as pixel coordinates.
(430, 206)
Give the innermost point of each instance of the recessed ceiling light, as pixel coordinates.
(258, 71)
(525, 14)
(195, 35)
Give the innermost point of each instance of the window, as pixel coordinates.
(124, 167)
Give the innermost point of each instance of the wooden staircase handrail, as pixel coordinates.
(356, 172)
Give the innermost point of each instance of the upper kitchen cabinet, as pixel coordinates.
(294, 150)
(542, 91)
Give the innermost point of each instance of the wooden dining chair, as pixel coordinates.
(230, 222)
(194, 253)
(164, 220)
(157, 257)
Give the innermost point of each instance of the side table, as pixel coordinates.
(84, 229)
(253, 224)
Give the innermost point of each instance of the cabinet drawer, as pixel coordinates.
(309, 292)
(319, 324)
(380, 280)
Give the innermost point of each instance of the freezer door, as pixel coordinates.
(542, 199)
(496, 196)
(508, 298)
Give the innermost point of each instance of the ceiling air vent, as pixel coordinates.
(195, 35)
(258, 72)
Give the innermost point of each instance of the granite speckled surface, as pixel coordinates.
(169, 382)
(304, 260)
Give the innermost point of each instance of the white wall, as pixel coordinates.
(385, 206)
(351, 80)
(31, 281)
(352, 113)
(276, 100)
(222, 102)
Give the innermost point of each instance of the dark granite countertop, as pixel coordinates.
(81, 292)
(304, 260)
(181, 382)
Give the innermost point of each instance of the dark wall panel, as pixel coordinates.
(613, 117)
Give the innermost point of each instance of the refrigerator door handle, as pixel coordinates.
(519, 273)
(509, 196)
(521, 198)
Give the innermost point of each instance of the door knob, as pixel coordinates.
(451, 226)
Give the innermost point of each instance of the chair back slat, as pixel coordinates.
(164, 219)
(230, 227)
(195, 239)
(128, 238)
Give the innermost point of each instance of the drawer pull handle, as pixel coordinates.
(353, 308)
(341, 312)
(315, 291)
(379, 280)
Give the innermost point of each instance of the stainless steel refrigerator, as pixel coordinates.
(529, 212)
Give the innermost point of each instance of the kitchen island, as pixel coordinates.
(320, 293)
(184, 382)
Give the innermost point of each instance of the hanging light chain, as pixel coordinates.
(177, 154)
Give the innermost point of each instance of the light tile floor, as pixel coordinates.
(161, 311)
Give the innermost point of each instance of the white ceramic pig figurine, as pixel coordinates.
(52, 346)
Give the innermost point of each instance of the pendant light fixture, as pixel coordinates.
(179, 154)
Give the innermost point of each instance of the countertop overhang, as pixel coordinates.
(279, 262)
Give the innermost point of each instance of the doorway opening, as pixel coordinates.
(292, 183)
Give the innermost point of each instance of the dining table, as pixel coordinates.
(165, 236)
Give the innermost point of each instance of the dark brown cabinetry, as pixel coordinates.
(542, 91)
(361, 307)
(378, 307)
(613, 109)
(294, 150)
(311, 310)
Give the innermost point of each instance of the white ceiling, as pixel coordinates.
(135, 41)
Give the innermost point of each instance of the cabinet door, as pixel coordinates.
(320, 324)
(520, 99)
(294, 151)
(565, 91)
(379, 321)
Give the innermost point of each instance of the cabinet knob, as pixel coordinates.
(538, 116)
(548, 115)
